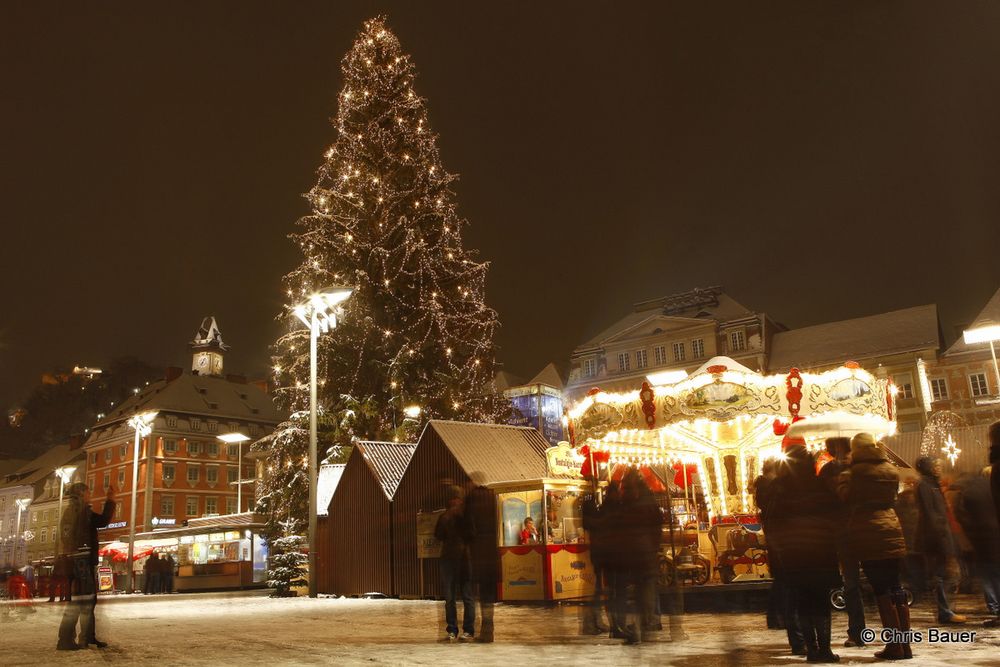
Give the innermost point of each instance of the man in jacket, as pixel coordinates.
(450, 530)
(933, 537)
(975, 513)
(994, 434)
(481, 534)
(79, 542)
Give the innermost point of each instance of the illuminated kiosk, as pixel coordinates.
(717, 426)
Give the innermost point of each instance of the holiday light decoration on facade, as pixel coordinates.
(950, 449)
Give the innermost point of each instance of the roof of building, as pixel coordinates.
(990, 314)
(500, 453)
(326, 485)
(549, 375)
(895, 332)
(387, 461)
(505, 380)
(204, 395)
(10, 466)
(705, 303)
(220, 523)
(44, 465)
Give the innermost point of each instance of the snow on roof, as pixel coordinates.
(387, 461)
(549, 375)
(44, 465)
(990, 314)
(897, 331)
(724, 308)
(326, 485)
(501, 453)
(204, 395)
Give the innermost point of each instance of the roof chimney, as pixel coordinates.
(174, 372)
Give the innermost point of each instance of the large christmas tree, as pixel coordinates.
(416, 332)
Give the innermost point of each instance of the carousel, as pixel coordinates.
(708, 435)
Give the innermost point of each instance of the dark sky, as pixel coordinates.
(820, 160)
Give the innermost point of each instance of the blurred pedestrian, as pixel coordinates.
(994, 436)
(640, 523)
(976, 514)
(934, 539)
(873, 535)
(79, 541)
(59, 579)
(850, 568)
(481, 533)
(594, 524)
(167, 576)
(455, 567)
(802, 515)
(781, 612)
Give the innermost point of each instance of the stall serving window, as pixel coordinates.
(564, 516)
(515, 507)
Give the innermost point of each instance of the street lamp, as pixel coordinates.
(239, 439)
(319, 314)
(65, 475)
(142, 424)
(22, 505)
(987, 333)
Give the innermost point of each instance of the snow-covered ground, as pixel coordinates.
(250, 629)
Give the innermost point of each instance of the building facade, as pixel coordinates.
(184, 470)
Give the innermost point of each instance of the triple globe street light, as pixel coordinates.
(237, 438)
(319, 314)
(65, 475)
(142, 424)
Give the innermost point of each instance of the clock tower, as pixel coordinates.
(207, 349)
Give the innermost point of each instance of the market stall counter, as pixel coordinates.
(547, 558)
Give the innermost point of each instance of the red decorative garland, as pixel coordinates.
(648, 406)
(794, 383)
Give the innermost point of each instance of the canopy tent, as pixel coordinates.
(118, 551)
(725, 420)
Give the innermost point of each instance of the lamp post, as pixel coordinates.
(239, 439)
(319, 314)
(142, 424)
(65, 474)
(987, 333)
(22, 505)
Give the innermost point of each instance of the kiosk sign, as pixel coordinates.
(105, 580)
(563, 460)
(428, 546)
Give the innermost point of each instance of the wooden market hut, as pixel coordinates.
(453, 451)
(354, 550)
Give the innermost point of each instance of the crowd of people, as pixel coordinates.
(159, 573)
(831, 517)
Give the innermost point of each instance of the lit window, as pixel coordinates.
(904, 382)
(698, 348)
(737, 341)
(659, 355)
(589, 368)
(939, 389)
(168, 472)
(623, 362)
(678, 351)
(641, 360)
(977, 381)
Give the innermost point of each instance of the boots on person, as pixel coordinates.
(903, 613)
(821, 651)
(890, 620)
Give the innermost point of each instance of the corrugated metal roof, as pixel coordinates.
(326, 486)
(210, 523)
(906, 330)
(388, 461)
(501, 453)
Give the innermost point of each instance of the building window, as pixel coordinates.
(213, 449)
(737, 341)
(623, 362)
(121, 478)
(212, 474)
(213, 427)
(169, 446)
(194, 448)
(939, 389)
(118, 510)
(698, 348)
(107, 478)
(231, 474)
(107, 455)
(45, 534)
(589, 371)
(678, 351)
(977, 381)
(90, 484)
(659, 355)
(168, 472)
(45, 516)
(253, 430)
(195, 424)
(211, 505)
(166, 505)
(230, 505)
(192, 473)
(34, 517)
(93, 458)
(232, 451)
(904, 383)
(171, 421)
(122, 452)
(641, 360)
(191, 506)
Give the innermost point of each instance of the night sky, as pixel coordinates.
(819, 160)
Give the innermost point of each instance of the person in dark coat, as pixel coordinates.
(481, 534)
(933, 537)
(975, 513)
(167, 575)
(450, 530)
(79, 542)
(594, 524)
(850, 568)
(873, 535)
(802, 511)
(994, 436)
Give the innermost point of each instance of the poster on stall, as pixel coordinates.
(572, 573)
(105, 579)
(523, 572)
(428, 546)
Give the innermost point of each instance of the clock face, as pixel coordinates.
(203, 361)
(216, 363)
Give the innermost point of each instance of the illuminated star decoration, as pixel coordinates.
(951, 449)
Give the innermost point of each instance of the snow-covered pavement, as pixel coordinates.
(251, 629)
